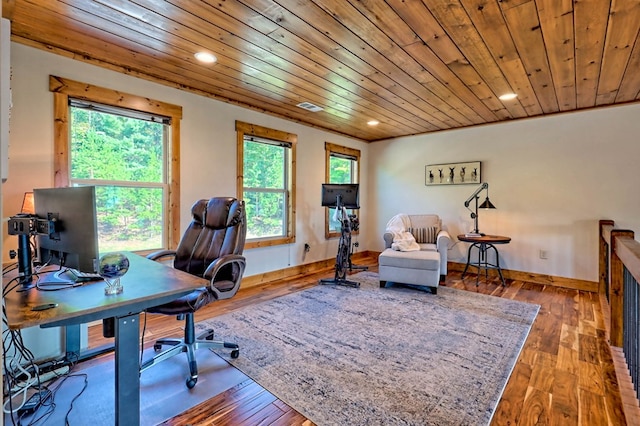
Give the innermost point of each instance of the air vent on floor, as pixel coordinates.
(309, 106)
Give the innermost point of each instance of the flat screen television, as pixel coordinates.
(346, 193)
(73, 241)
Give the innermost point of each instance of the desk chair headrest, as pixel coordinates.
(217, 213)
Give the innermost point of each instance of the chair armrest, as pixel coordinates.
(442, 244)
(233, 266)
(388, 239)
(161, 255)
(443, 239)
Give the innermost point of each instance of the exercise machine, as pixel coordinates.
(341, 197)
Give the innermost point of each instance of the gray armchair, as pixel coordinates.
(421, 226)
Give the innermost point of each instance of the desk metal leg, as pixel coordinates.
(73, 352)
(127, 380)
(72, 342)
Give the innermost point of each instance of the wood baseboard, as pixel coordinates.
(306, 269)
(328, 264)
(572, 283)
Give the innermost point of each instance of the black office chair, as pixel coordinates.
(211, 247)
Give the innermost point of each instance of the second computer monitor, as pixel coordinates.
(73, 241)
(347, 193)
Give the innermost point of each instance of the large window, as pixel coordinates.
(342, 165)
(266, 182)
(125, 151)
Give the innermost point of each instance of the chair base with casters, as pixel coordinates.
(189, 344)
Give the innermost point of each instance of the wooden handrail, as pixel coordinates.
(619, 258)
(606, 226)
(628, 250)
(618, 250)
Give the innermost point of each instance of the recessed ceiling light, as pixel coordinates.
(206, 57)
(373, 122)
(507, 96)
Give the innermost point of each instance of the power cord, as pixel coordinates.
(84, 387)
(38, 416)
(20, 371)
(16, 356)
(144, 330)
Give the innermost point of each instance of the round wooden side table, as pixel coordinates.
(484, 243)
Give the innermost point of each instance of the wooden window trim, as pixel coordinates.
(248, 129)
(331, 148)
(63, 89)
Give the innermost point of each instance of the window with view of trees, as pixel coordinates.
(266, 182)
(125, 154)
(342, 165)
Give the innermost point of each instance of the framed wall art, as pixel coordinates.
(453, 173)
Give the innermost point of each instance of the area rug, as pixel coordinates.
(372, 356)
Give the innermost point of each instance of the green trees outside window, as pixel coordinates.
(124, 158)
(342, 165)
(341, 170)
(265, 188)
(266, 181)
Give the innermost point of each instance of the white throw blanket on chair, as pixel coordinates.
(402, 239)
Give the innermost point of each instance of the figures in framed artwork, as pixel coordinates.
(453, 173)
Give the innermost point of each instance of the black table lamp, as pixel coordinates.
(485, 205)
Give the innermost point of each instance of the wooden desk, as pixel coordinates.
(484, 243)
(146, 284)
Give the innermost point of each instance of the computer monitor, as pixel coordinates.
(73, 241)
(348, 193)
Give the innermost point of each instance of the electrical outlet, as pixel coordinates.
(543, 254)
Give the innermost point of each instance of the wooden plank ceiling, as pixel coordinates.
(416, 66)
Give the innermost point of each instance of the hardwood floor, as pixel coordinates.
(565, 374)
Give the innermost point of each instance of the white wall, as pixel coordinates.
(551, 180)
(208, 150)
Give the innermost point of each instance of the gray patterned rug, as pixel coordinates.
(371, 356)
